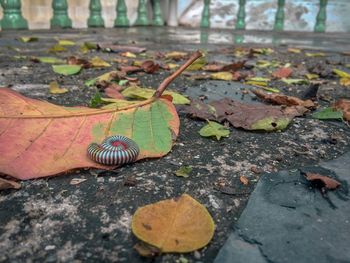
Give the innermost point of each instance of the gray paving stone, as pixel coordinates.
(289, 220)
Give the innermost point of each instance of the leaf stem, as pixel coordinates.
(173, 76)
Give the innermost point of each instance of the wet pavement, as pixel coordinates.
(50, 220)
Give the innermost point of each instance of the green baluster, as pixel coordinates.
(142, 16)
(157, 14)
(12, 18)
(279, 21)
(60, 14)
(95, 19)
(240, 24)
(205, 22)
(204, 36)
(321, 17)
(122, 14)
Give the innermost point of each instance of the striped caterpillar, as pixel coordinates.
(114, 150)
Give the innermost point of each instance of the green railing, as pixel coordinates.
(13, 19)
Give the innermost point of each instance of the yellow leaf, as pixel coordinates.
(128, 54)
(66, 43)
(174, 225)
(341, 73)
(319, 54)
(135, 92)
(175, 55)
(222, 75)
(172, 65)
(99, 63)
(345, 82)
(55, 88)
(256, 83)
(57, 48)
(294, 50)
(310, 76)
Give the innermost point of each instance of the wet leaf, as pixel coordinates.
(28, 39)
(120, 48)
(344, 106)
(246, 116)
(55, 88)
(8, 184)
(99, 63)
(66, 70)
(282, 73)
(65, 42)
(135, 92)
(191, 227)
(40, 139)
(328, 114)
(326, 181)
(280, 99)
(184, 171)
(214, 129)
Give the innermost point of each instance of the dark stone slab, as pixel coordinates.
(287, 219)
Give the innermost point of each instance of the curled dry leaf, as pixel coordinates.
(150, 66)
(280, 99)
(191, 227)
(326, 181)
(344, 106)
(8, 184)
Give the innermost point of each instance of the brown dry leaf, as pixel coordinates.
(280, 99)
(230, 67)
(8, 184)
(344, 106)
(244, 180)
(113, 93)
(130, 69)
(73, 60)
(174, 225)
(176, 55)
(146, 250)
(328, 182)
(150, 66)
(245, 115)
(282, 73)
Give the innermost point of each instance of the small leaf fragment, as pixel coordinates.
(8, 184)
(328, 114)
(191, 227)
(282, 73)
(28, 39)
(214, 129)
(65, 42)
(344, 106)
(57, 48)
(295, 81)
(50, 60)
(326, 181)
(294, 50)
(244, 180)
(128, 54)
(311, 76)
(55, 88)
(97, 62)
(225, 75)
(184, 171)
(341, 74)
(317, 54)
(66, 70)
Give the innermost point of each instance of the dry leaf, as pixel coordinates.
(113, 93)
(99, 63)
(8, 184)
(280, 99)
(55, 88)
(282, 73)
(344, 106)
(326, 181)
(244, 180)
(76, 181)
(120, 48)
(174, 225)
(150, 66)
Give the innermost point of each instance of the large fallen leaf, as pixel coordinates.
(135, 92)
(280, 99)
(39, 139)
(245, 115)
(174, 225)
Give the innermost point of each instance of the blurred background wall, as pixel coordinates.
(299, 14)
